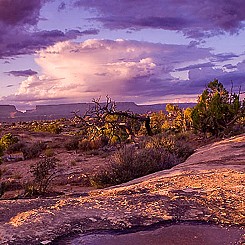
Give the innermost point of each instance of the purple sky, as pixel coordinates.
(54, 51)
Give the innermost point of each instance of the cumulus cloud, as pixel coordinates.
(122, 69)
(195, 19)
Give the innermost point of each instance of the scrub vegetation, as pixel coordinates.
(131, 145)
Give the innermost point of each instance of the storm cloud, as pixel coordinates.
(196, 19)
(18, 32)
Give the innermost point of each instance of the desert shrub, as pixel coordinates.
(49, 152)
(183, 150)
(30, 189)
(88, 145)
(172, 143)
(16, 147)
(30, 151)
(52, 127)
(99, 142)
(33, 150)
(85, 145)
(7, 140)
(43, 173)
(72, 144)
(129, 163)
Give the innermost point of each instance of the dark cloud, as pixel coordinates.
(190, 67)
(18, 33)
(19, 12)
(62, 6)
(224, 57)
(199, 78)
(229, 66)
(23, 73)
(28, 42)
(9, 86)
(195, 19)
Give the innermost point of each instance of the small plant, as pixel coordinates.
(49, 152)
(29, 151)
(73, 163)
(43, 172)
(7, 140)
(174, 144)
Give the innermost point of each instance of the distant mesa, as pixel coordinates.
(8, 113)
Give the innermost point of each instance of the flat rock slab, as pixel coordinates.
(184, 234)
(208, 187)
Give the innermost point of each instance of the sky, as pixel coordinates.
(145, 51)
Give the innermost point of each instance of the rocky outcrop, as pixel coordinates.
(208, 187)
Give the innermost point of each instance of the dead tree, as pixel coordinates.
(97, 116)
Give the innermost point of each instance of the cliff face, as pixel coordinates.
(8, 112)
(65, 110)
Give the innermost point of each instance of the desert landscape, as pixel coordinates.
(122, 122)
(207, 189)
(113, 177)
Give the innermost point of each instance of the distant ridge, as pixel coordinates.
(8, 113)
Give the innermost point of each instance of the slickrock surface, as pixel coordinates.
(208, 187)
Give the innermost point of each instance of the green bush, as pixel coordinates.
(8, 140)
(129, 163)
(217, 110)
(52, 127)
